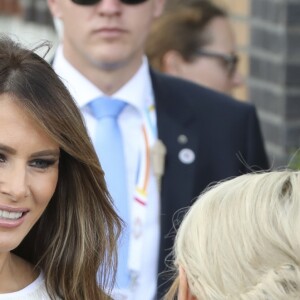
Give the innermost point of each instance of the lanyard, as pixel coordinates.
(140, 197)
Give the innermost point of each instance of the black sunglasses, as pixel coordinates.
(230, 60)
(92, 2)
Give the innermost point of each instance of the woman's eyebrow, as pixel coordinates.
(48, 152)
(7, 149)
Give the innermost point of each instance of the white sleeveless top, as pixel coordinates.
(34, 291)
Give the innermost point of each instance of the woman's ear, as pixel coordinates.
(184, 292)
(172, 63)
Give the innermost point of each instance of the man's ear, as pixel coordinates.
(184, 292)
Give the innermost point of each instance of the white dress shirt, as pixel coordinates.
(138, 92)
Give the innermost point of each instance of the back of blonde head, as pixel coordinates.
(241, 239)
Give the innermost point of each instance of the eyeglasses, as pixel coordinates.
(230, 60)
(92, 2)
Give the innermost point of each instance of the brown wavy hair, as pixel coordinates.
(74, 242)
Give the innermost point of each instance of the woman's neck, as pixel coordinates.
(15, 273)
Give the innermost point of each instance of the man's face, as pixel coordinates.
(108, 34)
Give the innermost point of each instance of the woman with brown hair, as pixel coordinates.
(194, 40)
(57, 221)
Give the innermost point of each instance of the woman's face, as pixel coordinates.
(28, 173)
(212, 71)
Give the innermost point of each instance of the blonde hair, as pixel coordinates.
(241, 239)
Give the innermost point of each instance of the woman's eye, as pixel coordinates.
(42, 163)
(2, 158)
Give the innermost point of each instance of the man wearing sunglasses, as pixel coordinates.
(177, 137)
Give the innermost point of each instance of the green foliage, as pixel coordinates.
(294, 163)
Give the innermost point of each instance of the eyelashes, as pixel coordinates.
(38, 163)
(42, 163)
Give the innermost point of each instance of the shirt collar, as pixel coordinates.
(137, 91)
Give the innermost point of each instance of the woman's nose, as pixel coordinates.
(13, 182)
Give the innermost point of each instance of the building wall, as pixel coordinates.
(275, 74)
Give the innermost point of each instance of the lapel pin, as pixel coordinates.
(182, 139)
(186, 156)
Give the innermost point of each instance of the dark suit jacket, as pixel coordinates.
(224, 135)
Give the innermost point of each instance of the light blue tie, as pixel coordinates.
(109, 148)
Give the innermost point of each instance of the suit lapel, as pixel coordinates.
(175, 122)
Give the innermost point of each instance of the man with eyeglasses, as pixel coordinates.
(176, 136)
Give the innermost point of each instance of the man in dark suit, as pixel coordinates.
(177, 137)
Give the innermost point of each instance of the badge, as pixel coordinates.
(186, 156)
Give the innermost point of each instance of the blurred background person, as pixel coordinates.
(194, 40)
(240, 241)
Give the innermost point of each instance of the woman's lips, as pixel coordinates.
(12, 217)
